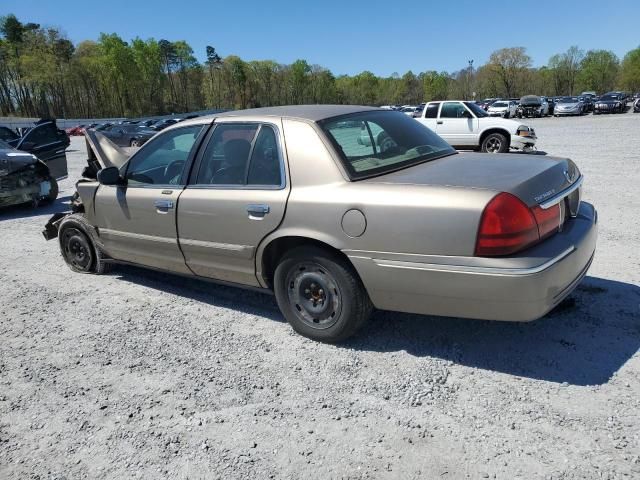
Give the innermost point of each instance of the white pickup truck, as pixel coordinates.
(465, 125)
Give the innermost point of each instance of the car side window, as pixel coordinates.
(452, 110)
(7, 134)
(432, 110)
(264, 166)
(162, 161)
(226, 158)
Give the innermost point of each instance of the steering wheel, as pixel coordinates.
(173, 170)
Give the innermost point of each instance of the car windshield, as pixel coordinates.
(568, 100)
(609, 97)
(500, 104)
(477, 111)
(377, 142)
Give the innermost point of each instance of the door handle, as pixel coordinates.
(439, 122)
(162, 206)
(257, 212)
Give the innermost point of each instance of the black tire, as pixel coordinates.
(320, 294)
(53, 193)
(495, 143)
(78, 248)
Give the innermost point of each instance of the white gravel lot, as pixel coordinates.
(141, 374)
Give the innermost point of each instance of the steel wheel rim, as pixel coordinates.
(314, 295)
(493, 145)
(76, 249)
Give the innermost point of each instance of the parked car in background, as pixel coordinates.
(253, 213)
(128, 135)
(531, 106)
(588, 103)
(464, 125)
(44, 140)
(408, 110)
(551, 103)
(609, 103)
(569, 106)
(162, 124)
(636, 105)
(24, 178)
(75, 131)
(502, 108)
(487, 102)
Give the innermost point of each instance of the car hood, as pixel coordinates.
(12, 161)
(104, 151)
(532, 178)
(567, 105)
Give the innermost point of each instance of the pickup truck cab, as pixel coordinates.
(464, 125)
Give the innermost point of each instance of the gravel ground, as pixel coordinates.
(140, 374)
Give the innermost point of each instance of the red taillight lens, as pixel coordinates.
(548, 220)
(507, 226)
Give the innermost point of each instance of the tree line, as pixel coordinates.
(42, 73)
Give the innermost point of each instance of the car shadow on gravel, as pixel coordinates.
(584, 341)
(252, 302)
(26, 210)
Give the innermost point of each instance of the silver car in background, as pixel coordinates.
(568, 106)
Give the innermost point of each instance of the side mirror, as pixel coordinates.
(466, 114)
(109, 176)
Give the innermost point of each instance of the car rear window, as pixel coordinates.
(376, 142)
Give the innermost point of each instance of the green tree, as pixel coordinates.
(630, 71)
(598, 71)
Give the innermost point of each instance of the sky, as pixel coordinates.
(349, 37)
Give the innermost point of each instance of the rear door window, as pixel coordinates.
(241, 154)
(432, 110)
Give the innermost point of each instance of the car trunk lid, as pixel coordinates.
(534, 179)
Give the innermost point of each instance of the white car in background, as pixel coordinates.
(408, 110)
(465, 125)
(502, 108)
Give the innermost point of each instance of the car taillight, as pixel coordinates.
(548, 220)
(508, 226)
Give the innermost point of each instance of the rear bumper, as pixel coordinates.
(521, 288)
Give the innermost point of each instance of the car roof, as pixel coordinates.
(313, 113)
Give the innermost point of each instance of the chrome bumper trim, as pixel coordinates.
(434, 267)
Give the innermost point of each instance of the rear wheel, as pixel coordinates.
(495, 143)
(320, 294)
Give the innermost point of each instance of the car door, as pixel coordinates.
(456, 124)
(137, 220)
(236, 196)
(430, 116)
(48, 143)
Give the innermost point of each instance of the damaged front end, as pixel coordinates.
(101, 153)
(24, 179)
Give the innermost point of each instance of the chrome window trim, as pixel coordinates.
(205, 144)
(564, 193)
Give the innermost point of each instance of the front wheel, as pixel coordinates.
(495, 143)
(320, 294)
(77, 247)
